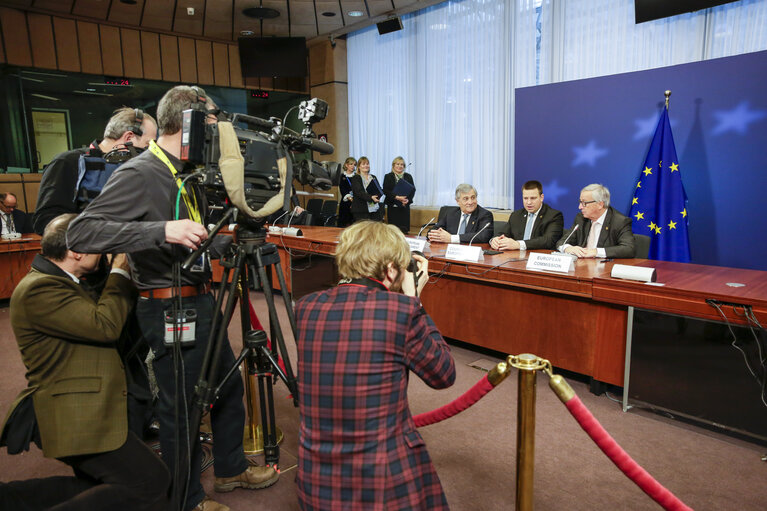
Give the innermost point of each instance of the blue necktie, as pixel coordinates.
(529, 226)
(462, 226)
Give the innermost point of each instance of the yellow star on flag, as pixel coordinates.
(684, 213)
(647, 170)
(652, 226)
(639, 215)
(671, 224)
(657, 230)
(639, 184)
(674, 167)
(634, 201)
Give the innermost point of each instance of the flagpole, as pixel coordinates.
(667, 94)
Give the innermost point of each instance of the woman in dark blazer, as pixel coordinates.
(345, 217)
(364, 205)
(398, 207)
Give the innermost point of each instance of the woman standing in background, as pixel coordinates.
(345, 191)
(364, 205)
(398, 206)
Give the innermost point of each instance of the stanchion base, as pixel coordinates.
(256, 445)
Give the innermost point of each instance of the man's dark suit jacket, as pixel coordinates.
(477, 220)
(21, 221)
(547, 228)
(616, 236)
(76, 378)
(56, 194)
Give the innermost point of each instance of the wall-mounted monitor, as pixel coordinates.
(648, 10)
(283, 57)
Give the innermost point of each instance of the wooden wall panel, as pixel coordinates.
(111, 55)
(169, 54)
(131, 51)
(66, 44)
(150, 52)
(187, 58)
(235, 71)
(42, 43)
(221, 64)
(90, 48)
(204, 62)
(16, 37)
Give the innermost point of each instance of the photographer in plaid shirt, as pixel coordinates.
(357, 342)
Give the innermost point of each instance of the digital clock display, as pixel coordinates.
(260, 94)
(116, 80)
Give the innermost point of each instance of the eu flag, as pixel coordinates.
(659, 205)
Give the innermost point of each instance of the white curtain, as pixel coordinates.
(440, 92)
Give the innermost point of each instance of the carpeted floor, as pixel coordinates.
(474, 452)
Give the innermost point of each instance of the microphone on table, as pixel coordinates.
(276, 219)
(566, 240)
(424, 226)
(479, 231)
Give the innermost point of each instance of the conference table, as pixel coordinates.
(15, 261)
(580, 321)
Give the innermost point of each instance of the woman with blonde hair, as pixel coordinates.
(398, 206)
(364, 203)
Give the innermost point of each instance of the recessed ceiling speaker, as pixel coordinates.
(390, 25)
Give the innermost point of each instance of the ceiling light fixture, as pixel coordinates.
(261, 13)
(247, 33)
(355, 14)
(328, 14)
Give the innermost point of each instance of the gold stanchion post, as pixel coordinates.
(253, 439)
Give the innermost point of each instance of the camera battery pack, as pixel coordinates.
(183, 323)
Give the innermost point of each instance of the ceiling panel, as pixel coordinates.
(126, 13)
(379, 7)
(157, 15)
(51, 5)
(400, 4)
(218, 19)
(307, 31)
(276, 29)
(189, 24)
(91, 8)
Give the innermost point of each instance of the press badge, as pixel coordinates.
(183, 323)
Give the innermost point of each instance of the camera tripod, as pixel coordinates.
(262, 359)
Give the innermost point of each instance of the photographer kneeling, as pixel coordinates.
(357, 342)
(77, 387)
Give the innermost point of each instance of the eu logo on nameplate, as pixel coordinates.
(550, 262)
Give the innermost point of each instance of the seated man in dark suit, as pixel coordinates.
(464, 223)
(533, 227)
(601, 230)
(77, 387)
(13, 220)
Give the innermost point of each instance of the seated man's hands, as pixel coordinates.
(185, 232)
(439, 235)
(581, 252)
(503, 243)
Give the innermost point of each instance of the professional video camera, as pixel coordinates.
(265, 146)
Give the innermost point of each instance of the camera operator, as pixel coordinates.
(134, 213)
(127, 130)
(77, 387)
(357, 342)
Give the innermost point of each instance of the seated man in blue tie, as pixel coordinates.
(598, 230)
(466, 223)
(536, 226)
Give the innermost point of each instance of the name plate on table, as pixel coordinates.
(463, 252)
(563, 263)
(416, 244)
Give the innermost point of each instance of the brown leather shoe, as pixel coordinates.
(209, 504)
(253, 478)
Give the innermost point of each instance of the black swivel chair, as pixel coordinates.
(498, 226)
(314, 207)
(641, 246)
(329, 216)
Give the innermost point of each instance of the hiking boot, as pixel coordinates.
(209, 504)
(253, 478)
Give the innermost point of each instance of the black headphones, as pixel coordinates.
(138, 119)
(200, 99)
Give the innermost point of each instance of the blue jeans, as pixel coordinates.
(228, 412)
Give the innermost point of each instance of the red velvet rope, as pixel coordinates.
(622, 460)
(467, 399)
(256, 324)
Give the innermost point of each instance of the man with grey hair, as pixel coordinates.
(601, 230)
(127, 130)
(134, 214)
(464, 223)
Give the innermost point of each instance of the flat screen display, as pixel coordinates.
(283, 57)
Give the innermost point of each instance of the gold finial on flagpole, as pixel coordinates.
(667, 94)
